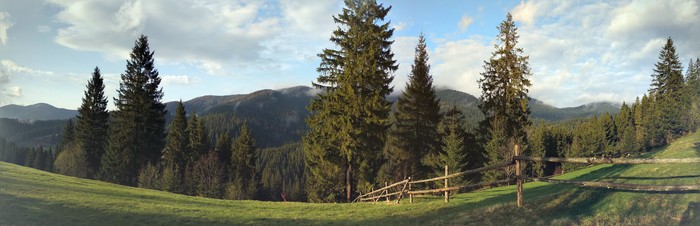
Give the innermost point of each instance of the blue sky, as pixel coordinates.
(580, 51)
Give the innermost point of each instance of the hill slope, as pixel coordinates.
(36, 112)
(32, 197)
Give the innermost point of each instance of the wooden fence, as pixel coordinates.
(518, 160)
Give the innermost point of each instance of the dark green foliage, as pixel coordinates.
(198, 140)
(415, 134)
(68, 135)
(624, 121)
(504, 84)
(282, 172)
(31, 133)
(174, 153)
(137, 133)
(458, 151)
(347, 129)
(667, 87)
(223, 148)
(244, 177)
(692, 89)
(608, 124)
(92, 119)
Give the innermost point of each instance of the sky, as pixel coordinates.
(579, 51)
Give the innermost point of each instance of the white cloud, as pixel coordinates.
(12, 67)
(525, 12)
(177, 80)
(457, 64)
(5, 24)
(209, 34)
(14, 92)
(400, 26)
(465, 22)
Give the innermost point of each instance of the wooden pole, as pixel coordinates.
(518, 176)
(447, 193)
(387, 191)
(410, 196)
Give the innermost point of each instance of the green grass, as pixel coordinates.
(32, 197)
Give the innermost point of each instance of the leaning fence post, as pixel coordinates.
(518, 176)
(447, 193)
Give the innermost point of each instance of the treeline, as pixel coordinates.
(36, 157)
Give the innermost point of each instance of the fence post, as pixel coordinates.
(410, 196)
(387, 191)
(518, 176)
(447, 193)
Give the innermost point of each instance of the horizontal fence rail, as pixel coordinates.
(606, 160)
(491, 167)
(633, 187)
(479, 185)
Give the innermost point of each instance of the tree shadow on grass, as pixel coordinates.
(696, 146)
(691, 216)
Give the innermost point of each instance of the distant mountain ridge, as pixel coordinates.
(276, 117)
(35, 112)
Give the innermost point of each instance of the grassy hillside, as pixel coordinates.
(32, 197)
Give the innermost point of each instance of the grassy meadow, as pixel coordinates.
(33, 197)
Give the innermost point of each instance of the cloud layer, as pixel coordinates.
(581, 52)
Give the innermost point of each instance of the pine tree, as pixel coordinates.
(223, 148)
(349, 122)
(243, 158)
(504, 98)
(198, 139)
(454, 153)
(93, 119)
(624, 121)
(417, 116)
(606, 120)
(68, 135)
(667, 88)
(176, 145)
(640, 132)
(137, 134)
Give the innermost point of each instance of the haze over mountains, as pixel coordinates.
(276, 117)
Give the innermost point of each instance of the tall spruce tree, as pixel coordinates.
(92, 123)
(242, 169)
(349, 122)
(504, 99)
(137, 134)
(417, 115)
(667, 88)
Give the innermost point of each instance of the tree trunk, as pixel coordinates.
(348, 183)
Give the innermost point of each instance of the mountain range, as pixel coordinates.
(277, 117)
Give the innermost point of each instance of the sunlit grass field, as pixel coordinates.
(33, 197)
